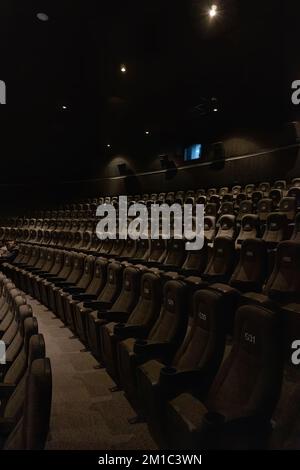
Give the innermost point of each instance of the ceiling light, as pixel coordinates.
(123, 68)
(42, 16)
(108, 146)
(213, 11)
(215, 110)
(64, 107)
(147, 132)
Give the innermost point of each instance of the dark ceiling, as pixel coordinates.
(177, 60)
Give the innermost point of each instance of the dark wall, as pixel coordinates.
(257, 165)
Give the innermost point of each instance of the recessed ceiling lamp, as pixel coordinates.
(213, 11)
(123, 68)
(42, 16)
(147, 132)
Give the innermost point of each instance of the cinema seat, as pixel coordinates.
(283, 430)
(276, 196)
(296, 232)
(93, 293)
(209, 228)
(138, 324)
(227, 227)
(264, 208)
(249, 229)
(162, 342)
(66, 296)
(245, 208)
(227, 208)
(62, 276)
(211, 210)
(283, 284)
(280, 184)
(251, 270)
(244, 391)
(15, 331)
(15, 300)
(119, 311)
(19, 344)
(31, 431)
(265, 188)
(288, 207)
(61, 286)
(196, 361)
(276, 229)
(34, 348)
(295, 192)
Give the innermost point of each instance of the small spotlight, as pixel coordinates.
(215, 110)
(147, 132)
(42, 16)
(108, 146)
(64, 107)
(213, 11)
(123, 68)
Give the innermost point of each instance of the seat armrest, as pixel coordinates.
(74, 290)
(149, 349)
(81, 297)
(124, 331)
(115, 316)
(64, 284)
(97, 305)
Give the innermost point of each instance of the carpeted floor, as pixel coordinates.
(85, 414)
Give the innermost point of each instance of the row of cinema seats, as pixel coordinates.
(25, 375)
(201, 346)
(254, 192)
(262, 199)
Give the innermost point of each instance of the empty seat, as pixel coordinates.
(249, 229)
(276, 229)
(265, 188)
(236, 190)
(226, 208)
(275, 195)
(30, 432)
(256, 197)
(251, 270)
(280, 184)
(249, 189)
(227, 227)
(118, 311)
(162, 342)
(196, 361)
(296, 232)
(246, 387)
(211, 192)
(288, 207)
(223, 191)
(215, 199)
(264, 208)
(222, 260)
(246, 207)
(295, 192)
(295, 183)
(209, 228)
(283, 284)
(136, 325)
(211, 210)
(284, 432)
